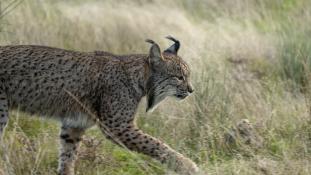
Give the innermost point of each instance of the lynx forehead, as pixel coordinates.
(82, 89)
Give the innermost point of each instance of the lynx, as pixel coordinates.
(82, 89)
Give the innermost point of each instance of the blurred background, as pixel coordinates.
(251, 69)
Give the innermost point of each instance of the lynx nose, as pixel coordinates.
(190, 88)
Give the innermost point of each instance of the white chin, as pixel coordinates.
(155, 103)
(151, 109)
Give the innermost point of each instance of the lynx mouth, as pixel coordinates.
(181, 96)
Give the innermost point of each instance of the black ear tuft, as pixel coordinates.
(173, 48)
(172, 38)
(150, 41)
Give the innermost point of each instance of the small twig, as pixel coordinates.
(11, 6)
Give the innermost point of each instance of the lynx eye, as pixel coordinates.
(181, 78)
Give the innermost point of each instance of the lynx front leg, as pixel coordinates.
(116, 119)
(70, 141)
(135, 140)
(4, 114)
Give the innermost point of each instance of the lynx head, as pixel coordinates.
(169, 74)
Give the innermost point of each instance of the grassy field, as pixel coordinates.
(250, 60)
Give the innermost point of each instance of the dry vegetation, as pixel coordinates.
(250, 60)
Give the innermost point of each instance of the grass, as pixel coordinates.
(249, 59)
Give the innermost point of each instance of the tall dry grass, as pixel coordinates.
(249, 59)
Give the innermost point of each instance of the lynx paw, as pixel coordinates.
(185, 166)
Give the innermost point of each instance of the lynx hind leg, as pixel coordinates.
(4, 114)
(70, 139)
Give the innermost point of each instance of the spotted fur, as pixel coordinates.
(82, 89)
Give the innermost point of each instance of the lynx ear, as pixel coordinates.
(154, 53)
(174, 48)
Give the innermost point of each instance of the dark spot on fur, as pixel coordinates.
(69, 141)
(64, 136)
